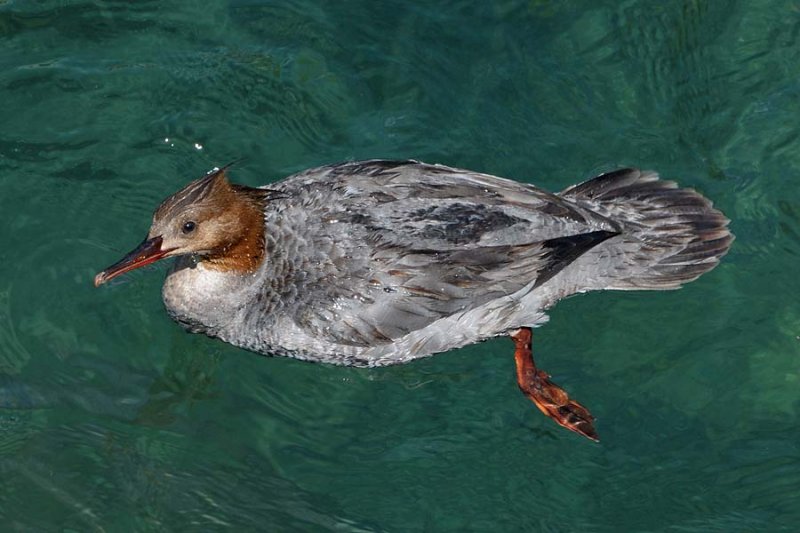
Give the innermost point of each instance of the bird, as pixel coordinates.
(382, 262)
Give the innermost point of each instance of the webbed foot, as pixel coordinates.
(551, 399)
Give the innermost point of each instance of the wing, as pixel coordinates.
(406, 244)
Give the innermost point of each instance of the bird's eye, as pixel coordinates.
(188, 227)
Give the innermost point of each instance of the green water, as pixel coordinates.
(114, 419)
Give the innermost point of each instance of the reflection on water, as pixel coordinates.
(112, 418)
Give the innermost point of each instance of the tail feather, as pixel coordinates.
(669, 236)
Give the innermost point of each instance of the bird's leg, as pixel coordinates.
(551, 399)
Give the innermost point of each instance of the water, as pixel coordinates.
(114, 419)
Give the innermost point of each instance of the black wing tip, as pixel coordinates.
(562, 251)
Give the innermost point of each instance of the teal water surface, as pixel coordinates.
(112, 418)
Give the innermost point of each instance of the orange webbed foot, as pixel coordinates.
(551, 399)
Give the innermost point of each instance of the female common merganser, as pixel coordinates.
(374, 263)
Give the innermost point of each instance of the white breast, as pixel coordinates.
(203, 299)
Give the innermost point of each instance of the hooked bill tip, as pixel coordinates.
(99, 279)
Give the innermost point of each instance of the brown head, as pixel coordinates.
(219, 222)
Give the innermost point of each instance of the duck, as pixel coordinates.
(382, 262)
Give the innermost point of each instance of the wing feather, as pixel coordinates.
(422, 242)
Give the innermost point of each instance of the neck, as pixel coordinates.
(245, 252)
